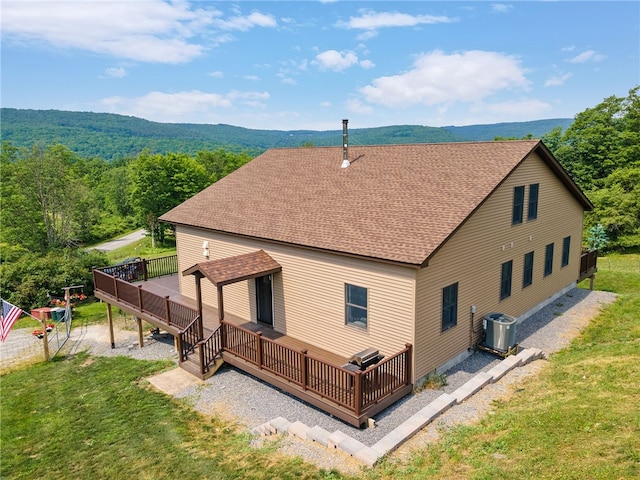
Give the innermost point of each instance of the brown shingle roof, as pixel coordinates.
(395, 203)
(235, 269)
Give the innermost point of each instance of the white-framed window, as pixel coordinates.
(356, 305)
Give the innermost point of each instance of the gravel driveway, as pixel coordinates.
(239, 397)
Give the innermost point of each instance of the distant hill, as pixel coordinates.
(112, 136)
(537, 128)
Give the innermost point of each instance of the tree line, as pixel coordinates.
(54, 202)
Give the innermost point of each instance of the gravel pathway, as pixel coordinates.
(239, 397)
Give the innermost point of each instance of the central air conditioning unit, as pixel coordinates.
(500, 331)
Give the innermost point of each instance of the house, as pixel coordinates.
(377, 247)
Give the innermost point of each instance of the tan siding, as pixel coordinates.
(474, 255)
(309, 293)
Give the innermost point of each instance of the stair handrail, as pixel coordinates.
(186, 341)
(210, 348)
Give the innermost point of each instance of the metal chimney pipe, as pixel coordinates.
(345, 145)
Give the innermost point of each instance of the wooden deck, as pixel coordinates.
(169, 286)
(315, 375)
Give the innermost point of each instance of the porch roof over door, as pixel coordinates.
(229, 270)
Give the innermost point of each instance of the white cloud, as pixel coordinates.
(216, 74)
(289, 81)
(148, 31)
(557, 80)
(325, 104)
(245, 23)
(367, 64)
(371, 20)
(152, 31)
(587, 56)
(356, 106)
(116, 72)
(253, 78)
(334, 60)
(501, 7)
(438, 78)
(181, 106)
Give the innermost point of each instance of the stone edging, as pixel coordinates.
(371, 455)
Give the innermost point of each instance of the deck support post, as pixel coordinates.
(140, 337)
(199, 305)
(220, 304)
(110, 321)
(591, 280)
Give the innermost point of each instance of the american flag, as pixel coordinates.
(10, 313)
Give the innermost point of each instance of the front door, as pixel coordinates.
(264, 299)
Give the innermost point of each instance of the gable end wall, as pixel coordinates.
(474, 255)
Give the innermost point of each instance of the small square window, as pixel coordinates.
(356, 305)
(449, 306)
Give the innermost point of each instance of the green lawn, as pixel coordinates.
(580, 419)
(85, 417)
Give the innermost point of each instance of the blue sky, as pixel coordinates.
(309, 64)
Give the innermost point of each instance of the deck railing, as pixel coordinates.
(354, 390)
(163, 309)
(588, 264)
(139, 270)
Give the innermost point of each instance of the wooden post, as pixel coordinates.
(178, 343)
(408, 359)
(45, 338)
(304, 369)
(591, 280)
(358, 393)
(220, 304)
(140, 298)
(110, 321)
(145, 272)
(199, 306)
(167, 309)
(140, 337)
(259, 348)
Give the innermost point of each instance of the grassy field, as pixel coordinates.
(620, 263)
(143, 249)
(85, 417)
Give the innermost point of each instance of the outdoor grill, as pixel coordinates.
(366, 358)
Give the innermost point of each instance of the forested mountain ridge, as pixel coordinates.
(111, 136)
